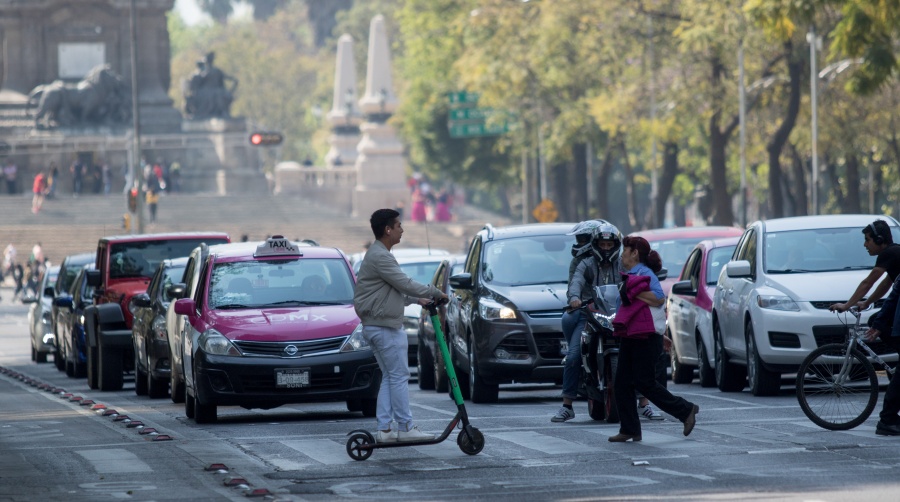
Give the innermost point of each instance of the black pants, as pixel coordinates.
(637, 372)
(890, 411)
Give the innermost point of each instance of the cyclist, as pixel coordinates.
(582, 273)
(887, 325)
(880, 243)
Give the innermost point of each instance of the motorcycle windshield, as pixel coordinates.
(606, 296)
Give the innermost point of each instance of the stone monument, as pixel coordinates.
(381, 169)
(344, 116)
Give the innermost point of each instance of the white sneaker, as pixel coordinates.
(414, 434)
(649, 413)
(386, 437)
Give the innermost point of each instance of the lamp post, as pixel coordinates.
(136, 173)
(742, 116)
(815, 43)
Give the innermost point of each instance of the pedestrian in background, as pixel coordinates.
(639, 347)
(11, 174)
(52, 179)
(152, 199)
(382, 292)
(39, 189)
(78, 171)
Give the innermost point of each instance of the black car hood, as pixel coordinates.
(533, 296)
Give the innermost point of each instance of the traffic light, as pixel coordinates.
(266, 138)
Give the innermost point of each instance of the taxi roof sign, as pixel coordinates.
(277, 245)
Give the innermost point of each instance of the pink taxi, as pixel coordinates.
(273, 323)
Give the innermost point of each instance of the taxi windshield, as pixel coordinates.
(280, 283)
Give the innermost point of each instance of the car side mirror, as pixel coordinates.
(662, 274)
(176, 291)
(461, 281)
(683, 288)
(48, 291)
(739, 268)
(185, 306)
(93, 278)
(140, 300)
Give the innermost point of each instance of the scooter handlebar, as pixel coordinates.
(434, 304)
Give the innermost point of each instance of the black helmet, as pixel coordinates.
(606, 232)
(583, 233)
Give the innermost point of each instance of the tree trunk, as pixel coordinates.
(801, 205)
(852, 203)
(835, 182)
(578, 190)
(718, 142)
(602, 183)
(780, 138)
(664, 185)
(558, 190)
(633, 217)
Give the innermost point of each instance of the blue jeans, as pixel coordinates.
(572, 326)
(390, 347)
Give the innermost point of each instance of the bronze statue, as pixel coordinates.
(102, 98)
(209, 91)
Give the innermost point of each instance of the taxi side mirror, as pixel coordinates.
(461, 281)
(185, 306)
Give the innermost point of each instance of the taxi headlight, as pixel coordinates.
(490, 309)
(777, 302)
(212, 342)
(355, 341)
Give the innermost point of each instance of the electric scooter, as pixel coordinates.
(470, 440)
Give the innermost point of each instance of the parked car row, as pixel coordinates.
(750, 319)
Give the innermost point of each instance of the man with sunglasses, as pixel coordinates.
(878, 242)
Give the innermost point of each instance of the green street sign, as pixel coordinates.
(470, 114)
(463, 97)
(476, 130)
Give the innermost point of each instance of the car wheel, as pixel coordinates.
(110, 368)
(441, 379)
(479, 390)
(140, 377)
(33, 353)
(177, 383)
(70, 369)
(729, 377)
(596, 409)
(762, 381)
(204, 413)
(681, 373)
(157, 387)
(188, 405)
(59, 359)
(704, 369)
(368, 407)
(39, 357)
(425, 366)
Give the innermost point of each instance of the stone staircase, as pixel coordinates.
(68, 225)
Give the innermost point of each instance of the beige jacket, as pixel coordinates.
(382, 289)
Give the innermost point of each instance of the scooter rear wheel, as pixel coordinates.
(355, 443)
(471, 442)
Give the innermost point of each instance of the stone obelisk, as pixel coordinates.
(344, 116)
(380, 167)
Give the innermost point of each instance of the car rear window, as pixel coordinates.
(140, 259)
(674, 252)
(273, 283)
(420, 272)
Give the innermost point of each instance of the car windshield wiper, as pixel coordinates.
(857, 267)
(791, 271)
(231, 306)
(300, 302)
(539, 283)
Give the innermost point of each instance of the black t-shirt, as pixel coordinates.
(889, 259)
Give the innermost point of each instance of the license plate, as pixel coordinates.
(291, 378)
(563, 348)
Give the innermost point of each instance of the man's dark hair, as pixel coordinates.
(879, 230)
(381, 219)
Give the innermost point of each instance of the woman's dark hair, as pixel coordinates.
(646, 255)
(381, 219)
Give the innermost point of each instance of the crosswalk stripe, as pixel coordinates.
(657, 440)
(541, 442)
(114, 460)
(325, 451)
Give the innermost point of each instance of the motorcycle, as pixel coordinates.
(600, 354)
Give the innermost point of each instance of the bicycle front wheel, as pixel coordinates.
(832, 401)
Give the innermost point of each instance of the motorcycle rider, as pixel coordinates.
(595, 261)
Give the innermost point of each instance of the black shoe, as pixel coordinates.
(883, 429)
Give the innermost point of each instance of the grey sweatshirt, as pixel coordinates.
(382, 289)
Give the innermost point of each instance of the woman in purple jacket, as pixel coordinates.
(638, 350)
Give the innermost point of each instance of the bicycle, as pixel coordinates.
(837, 385)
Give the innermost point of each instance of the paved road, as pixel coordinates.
(743, 448)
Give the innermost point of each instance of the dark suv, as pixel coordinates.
(511, 298)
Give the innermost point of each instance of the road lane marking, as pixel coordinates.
(114, 460)
(701, 477)
(542, 442)
(324, 451)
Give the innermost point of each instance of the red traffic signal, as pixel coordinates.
(266, 138)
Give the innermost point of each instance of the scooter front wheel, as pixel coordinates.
(470, 440)
(356, 444)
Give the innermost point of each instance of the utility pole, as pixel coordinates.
(742, 99)
(814, 42)
(136, 173)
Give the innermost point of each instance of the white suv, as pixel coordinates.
(770, 307)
